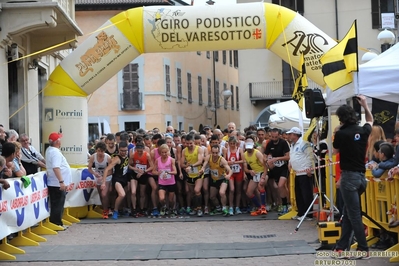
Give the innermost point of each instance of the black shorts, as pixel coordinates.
(191, 180)
(278, 172)
(123, 180)
(218, 183)
(155, 178)
(168, 188)
(142, 180)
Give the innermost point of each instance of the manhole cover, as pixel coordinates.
(259, 236)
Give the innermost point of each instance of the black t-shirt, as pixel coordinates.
(278, 150)
(351, 140)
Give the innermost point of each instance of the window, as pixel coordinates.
(94, 132)
(231, 58)
(288, 82)
(208, 54)
(217, 95)
(378, 7)
(296, 5)
(179, 89)
(216, 55)
(209, 92)
(232, 97)
(200, 90)
(189, 89)
(132, 126)
(131, 99)
(235, 52)
(180, 126)
(224, 57)
(237, 100)
(225, 100)
(167, 80)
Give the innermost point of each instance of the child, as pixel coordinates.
(387, 161)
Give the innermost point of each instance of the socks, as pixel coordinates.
(255, 201)
(263, 197)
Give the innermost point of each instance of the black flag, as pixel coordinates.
(384, 114)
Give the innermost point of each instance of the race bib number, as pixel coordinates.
(195, 170)
(278, 163)
(100, 172)
(215, 174)
(125, 168)
(141, 167)
(256, 177)
(164, 175)
(235, 168)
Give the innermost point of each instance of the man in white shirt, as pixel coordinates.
(58, 178)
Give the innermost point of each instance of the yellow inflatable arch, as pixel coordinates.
(170, 29)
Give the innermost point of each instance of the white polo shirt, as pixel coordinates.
(55, 159)
(301, 156)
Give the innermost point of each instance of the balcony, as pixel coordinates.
(47, 22)
(272, 90)
(131, 101)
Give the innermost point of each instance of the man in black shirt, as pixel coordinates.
(277, 157)
(351, 142)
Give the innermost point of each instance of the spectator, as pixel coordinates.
(18, 169)
(3, 137)
(58, 178)
(387, 161)
(3, 182)
(12, 135)
(9, 155)
(31, 159)
(377, 134)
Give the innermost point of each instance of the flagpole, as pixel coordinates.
(330, 168)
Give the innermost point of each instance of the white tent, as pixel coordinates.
(287, 115)
(377, 78)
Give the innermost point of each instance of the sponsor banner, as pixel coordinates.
(99, 57)
(218, 27)
(67, 115)
(301, 36)
(21, 208)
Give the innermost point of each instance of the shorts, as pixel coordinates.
(218, 183)
(123, 180)
(142, 180)
(278, 172)
(239, 177)
(191, 180)
(255, 178)
(99, 181)
(155, 178)
(168, 188)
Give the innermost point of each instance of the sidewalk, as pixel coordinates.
(241, 240)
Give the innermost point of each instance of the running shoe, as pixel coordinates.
(206, 210)
(182, 211)
(199, 213)
(295, 217)
(305, 219)
(279, 208)
(188, 210)
(231, 211)
(256, 212)
(135, 214)
(155, 212)
(163, 210)
(268, 207)
(173, 213)
(115, 215)
(105, 214)
(339, 254)
(263, 210)
(215, 212)
(238, 211)
(193, 212)
(142, 213)
(225, 212)
(284, 210)
(110, 212)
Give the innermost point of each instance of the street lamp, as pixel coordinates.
(370, 54)
(387, 38)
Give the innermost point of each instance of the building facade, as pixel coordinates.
(34, 37)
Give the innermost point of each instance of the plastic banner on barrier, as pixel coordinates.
(21, 208)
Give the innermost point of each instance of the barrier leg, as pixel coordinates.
(6, 256)
(92, 213)
(69, 217)
(22, 240)
(43, 230)
(394, 248)
(65, 222)
(52, 226)
(33, 236)
(4, 246)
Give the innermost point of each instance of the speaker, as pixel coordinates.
(314, 103)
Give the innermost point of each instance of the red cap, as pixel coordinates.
(54, 136)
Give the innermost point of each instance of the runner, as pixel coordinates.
(98, 162)
(140, 163)
(218, 167)
(257, 176)
(165, 168)
(119, 165)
